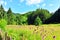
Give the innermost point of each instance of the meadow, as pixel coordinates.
(32, 32)
(31, 24)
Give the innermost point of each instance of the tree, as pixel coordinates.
(18, 19)
(37, 21)
(10, 17)
(43, 14)
(21, 19)
(2, 13)
(55, 18)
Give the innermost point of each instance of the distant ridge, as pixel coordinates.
(55, 18)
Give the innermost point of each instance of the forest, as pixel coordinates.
(37, 17)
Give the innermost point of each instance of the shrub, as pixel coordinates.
(37, 21)
(3, 23)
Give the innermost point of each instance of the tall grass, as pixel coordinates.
(43, 32)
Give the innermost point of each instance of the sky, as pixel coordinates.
(23, 6)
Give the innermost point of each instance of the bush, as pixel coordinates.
(3, 23)
(38, 21)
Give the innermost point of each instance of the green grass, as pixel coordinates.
(31, 32)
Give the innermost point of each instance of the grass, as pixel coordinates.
(31, 32)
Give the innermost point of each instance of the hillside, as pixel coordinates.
(55, 18)
(24, 19)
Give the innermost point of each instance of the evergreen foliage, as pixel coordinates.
(30, 18)
(38, 21)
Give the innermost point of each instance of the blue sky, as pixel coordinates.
(22, 6)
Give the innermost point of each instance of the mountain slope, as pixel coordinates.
(55, 18)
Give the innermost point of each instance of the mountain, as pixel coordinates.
(55, 18)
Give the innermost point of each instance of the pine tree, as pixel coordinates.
(2, 13)
(10, 17)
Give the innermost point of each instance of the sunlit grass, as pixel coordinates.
(31, 32)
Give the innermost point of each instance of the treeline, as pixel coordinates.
(37, 17)
(55, 18)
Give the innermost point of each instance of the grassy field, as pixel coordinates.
(31, 32)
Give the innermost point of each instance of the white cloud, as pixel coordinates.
(44, 5)
(10, 0)
(6, 9)
(38, 6)
(3, 2)
(50, 4)
(33, 2)
(21, 1)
